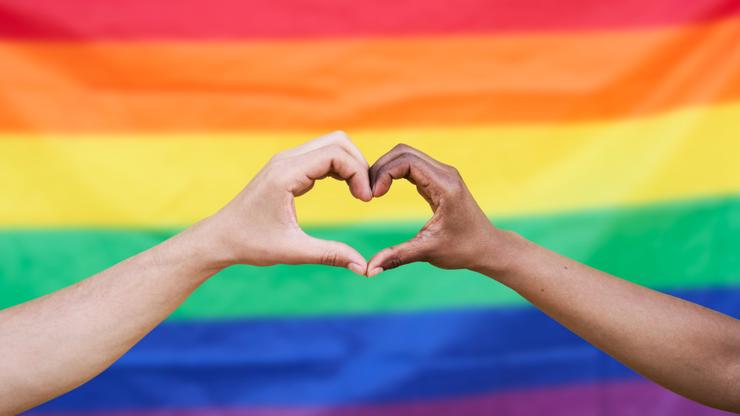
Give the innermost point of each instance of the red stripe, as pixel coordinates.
(224, 19)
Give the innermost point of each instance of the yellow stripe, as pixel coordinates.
(155, 180)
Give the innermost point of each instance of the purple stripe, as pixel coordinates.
(604, 399)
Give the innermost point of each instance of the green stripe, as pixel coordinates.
(677, 245)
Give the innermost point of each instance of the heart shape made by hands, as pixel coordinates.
(269, 233)
(445, 240)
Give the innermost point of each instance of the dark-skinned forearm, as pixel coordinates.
(687, 348)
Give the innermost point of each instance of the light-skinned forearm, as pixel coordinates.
(685, 347)
(53, 344)
(57, 342)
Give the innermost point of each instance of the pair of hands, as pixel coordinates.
(259, 226)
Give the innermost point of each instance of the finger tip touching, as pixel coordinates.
(359, 191)
(374, 271)
(375, 265)
(379, 190)
(358, 268)
(367, 195)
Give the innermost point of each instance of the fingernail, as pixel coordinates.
(374, 272)
(357, 268)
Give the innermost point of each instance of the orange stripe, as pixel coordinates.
(329, 84)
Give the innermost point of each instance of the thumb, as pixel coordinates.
(331, 253)
(392, 257)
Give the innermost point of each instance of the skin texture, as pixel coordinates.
(55, 343)
(685, 347)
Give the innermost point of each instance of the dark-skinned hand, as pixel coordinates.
(457, 236)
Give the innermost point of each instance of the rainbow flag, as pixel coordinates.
(607, 131)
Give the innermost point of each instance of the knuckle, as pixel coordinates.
(277, 156)
(394, 259)
(407, 158)
(450, 170)
(453, 170)
(454, 187)
(338, 138)
(401, 147)
(332, 152)
(340, 135)
(330, 258)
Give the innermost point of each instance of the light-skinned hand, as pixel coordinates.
(259, 226)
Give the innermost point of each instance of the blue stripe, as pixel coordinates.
(359, 359)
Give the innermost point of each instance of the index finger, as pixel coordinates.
(336, 161)
(407, 166)
(398, 150)
(338, 137)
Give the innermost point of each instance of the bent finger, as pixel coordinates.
(333, 160)
(338, 137)
(408, 166)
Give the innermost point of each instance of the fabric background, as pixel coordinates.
(607, 131)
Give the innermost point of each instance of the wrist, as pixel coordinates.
(198, 249)
(502, 253)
